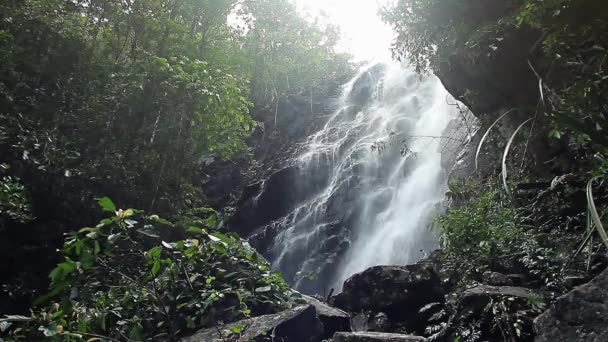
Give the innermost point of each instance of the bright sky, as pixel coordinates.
(364, 34)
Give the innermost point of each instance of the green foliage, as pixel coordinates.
(132, 99)
(426, 29)
(578, 103)
(119, 92)
(484, 231)
(121, 280)
(573, 41)
(14, 200)
(136, 94)
(289, 53)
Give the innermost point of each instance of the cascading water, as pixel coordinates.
(367, 184)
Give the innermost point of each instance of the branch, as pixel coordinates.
(436, 137)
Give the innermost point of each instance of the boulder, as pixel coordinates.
(375, 337)
(333, 319)
(475, 299)
(580, 315)
(379, 322)
(500, 279)
(299, 324)
(497, 279)
(397, 291)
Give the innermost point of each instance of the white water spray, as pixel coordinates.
(378, 163)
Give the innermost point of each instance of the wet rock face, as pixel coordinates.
(298, 116)
(580, 315)
(265, 202)
(364, 86)
(267, 207)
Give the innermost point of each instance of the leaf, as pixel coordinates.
(221, 237)
(193, 229)
(506, 153)
(182, 305)
(62, 270)
(160, 220)
(219, 247)
(113, 237)
(154, 253)
(155, 268)
(213, 238)
(167, 245)
(88, 230)
(130, 223)
(126, 213)
(263, 289)
(147, 233)
(555, 134)
(106, 204)
(237, 328)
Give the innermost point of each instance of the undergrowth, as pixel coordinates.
(135, 277)
(486, 229)
(533, 237)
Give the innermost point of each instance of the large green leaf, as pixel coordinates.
(106, 204)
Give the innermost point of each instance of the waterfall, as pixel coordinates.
(369, 183)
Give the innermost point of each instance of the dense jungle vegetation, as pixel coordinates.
(111, 105)
(129, 99)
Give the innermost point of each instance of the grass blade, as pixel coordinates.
(586, 240)
(483, 139)
(540, 83)
(506, 153)
(593, 213)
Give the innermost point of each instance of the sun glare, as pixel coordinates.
(363, 33)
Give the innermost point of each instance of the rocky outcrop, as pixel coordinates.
(493, 74)
(333, 319)
(376, 337)
(263, 202)
(500, 279)
(309, 321)
(298, 115)
(477, 298)
(581, 315)
(299, 324)
(397, 291)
